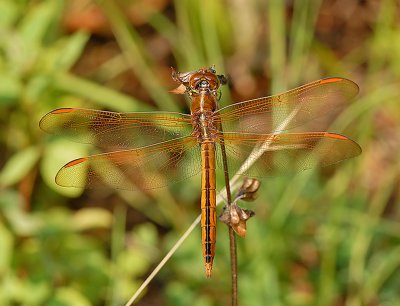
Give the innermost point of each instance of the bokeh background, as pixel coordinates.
(322, 237)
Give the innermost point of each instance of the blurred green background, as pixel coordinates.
(322, 237)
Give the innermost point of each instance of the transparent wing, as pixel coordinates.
(322, 100)
(258, 155)
(116, 130)
(149, 167)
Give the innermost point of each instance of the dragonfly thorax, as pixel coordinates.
(204, 127)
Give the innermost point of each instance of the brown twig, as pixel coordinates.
(233, 254)
(232, 237)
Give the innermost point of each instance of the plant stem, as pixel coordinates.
(232, 251)
(232, 237)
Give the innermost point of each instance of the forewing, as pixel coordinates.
(258, 155)
(150, 167)
(322, 100)
(116, 130)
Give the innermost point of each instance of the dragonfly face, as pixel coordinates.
(261, 137)
(204, 81)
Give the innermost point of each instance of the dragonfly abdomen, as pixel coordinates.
(208, 204)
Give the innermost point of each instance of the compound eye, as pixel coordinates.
(212, 83)
(194, 82)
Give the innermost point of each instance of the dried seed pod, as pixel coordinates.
(247, 191)
(236, 217)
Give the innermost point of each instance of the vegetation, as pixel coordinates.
(322, 237)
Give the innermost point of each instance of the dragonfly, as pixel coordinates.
(259, 137)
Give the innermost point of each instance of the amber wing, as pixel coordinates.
(320, 101)
(149, 167)
(114, 130)
(261, 155)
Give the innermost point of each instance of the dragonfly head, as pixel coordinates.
(205, 80)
